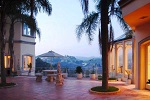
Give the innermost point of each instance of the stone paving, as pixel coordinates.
(73, 89)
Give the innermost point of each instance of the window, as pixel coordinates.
(120, 51)
(27, 30)
(129, 52)
(7, 61)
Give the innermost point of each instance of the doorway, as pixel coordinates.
(148, 63)
(26, 60)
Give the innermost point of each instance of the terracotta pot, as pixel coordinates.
(119, 79)
(79, 76)
(93, 76)
(128, 81)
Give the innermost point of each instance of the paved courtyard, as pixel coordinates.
(73, 89)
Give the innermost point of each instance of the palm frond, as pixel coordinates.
(38, 6)
(44, 5)
(85, 6)
(112, 6)
(88, 26)
(100, 40)
(98, 5)
(111, 37)
(123, 24)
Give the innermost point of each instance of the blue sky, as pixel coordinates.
(58, 31)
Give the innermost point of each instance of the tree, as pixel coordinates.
(101, 19)
(3, 6)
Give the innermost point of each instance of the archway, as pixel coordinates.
(144, 63)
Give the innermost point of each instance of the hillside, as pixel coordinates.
(71, 62)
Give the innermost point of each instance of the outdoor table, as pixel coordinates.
(51, 73)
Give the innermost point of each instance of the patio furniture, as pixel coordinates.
(38, 77)
(50, 74)
(51, 77)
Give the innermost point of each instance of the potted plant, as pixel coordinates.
(148, 82)
(128, 80)
(79, 72)
(93, 75)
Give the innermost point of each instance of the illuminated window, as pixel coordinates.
(7, 61)
(27, 60)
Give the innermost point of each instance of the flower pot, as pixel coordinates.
(79, 76)
(128, 81)
(148, 86)
(93, 76)
(119, 79)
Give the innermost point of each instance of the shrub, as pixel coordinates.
(78, 69)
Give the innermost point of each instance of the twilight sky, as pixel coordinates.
(58, 31)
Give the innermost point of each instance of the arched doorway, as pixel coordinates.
(148, 66)
(144, 63)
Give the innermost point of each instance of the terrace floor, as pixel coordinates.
(28, 89)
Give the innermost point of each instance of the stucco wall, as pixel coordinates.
(141, 32)
(131, 7)
(28, 50)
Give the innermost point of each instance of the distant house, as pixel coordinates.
(137, 14)
(24, 48)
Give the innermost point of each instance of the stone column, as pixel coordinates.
(124, 58)
(133, 59)
(115, 58)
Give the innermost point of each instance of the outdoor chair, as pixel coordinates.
(38, 77)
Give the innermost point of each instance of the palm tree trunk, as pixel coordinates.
(11, 45)
(104, 37)
(32, 8)
(2, 44)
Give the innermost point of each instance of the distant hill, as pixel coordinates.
(72, 62)
(84, 58)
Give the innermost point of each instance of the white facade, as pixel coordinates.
(24, 48)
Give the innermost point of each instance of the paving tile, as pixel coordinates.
(73, 89)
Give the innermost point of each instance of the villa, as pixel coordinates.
(130, 53)
(137, 14)
(24, 49)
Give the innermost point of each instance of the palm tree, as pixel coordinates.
(101, 19)
(2, 39)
